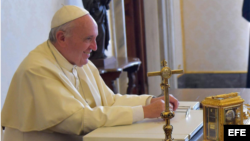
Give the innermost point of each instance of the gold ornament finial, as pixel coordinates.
(164, 63)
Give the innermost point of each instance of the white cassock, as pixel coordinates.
(46, 101)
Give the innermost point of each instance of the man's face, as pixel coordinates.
(82, 41)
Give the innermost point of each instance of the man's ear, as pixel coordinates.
(60, 38)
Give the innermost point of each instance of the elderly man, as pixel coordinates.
(58, 94)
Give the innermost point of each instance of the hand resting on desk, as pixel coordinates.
(157, 106)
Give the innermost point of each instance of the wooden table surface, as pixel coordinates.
(201, 94)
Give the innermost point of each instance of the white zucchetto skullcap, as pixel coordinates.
(67, 13)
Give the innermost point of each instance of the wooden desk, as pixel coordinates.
(201, 94)
(110, 72)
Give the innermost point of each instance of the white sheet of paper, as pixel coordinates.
(194, 105)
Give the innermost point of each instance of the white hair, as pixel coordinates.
(66, 28)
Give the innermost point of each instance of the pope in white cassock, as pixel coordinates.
(57, 94)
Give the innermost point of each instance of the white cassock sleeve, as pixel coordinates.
(75, 123)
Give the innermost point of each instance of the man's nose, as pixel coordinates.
(94, 45)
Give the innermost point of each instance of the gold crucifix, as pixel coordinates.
(165, 74)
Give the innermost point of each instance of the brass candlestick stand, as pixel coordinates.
(165, 74)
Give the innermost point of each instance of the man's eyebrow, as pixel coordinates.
(90, 36)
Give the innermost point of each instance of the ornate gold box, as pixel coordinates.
(220, 110)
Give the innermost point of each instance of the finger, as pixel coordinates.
(176, 105)
(173, 101)
(158, 98)
(170, 106)
(152, 100)
(162, 97)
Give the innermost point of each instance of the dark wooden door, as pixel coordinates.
(136, 47)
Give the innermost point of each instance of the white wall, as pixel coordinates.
(152, 31)
(216, 36)
(178, 36)
(25, 24)
(158, 45)
(0, 49)
(75, 2)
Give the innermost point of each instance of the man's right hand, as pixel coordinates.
(154, 109)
